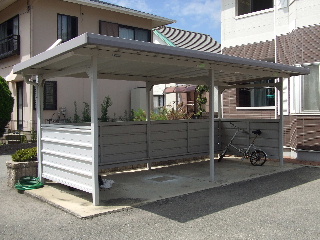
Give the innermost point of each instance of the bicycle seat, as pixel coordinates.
(257, 132)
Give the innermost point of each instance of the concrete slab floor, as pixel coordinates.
(137, 187)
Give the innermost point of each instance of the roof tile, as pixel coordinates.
(302, 45)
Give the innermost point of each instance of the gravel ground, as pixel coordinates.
(279, 206)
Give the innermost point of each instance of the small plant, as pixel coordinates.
(86, 117)
(33, 136)
(139, 115)
(24, 139)
(76, 117)
(104, 109)
(201, 99)
(25, 155)
(164, 114)
(179, 113)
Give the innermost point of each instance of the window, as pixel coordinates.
(67, 27)
(158, 102)
(249, 6)
(49, 96)
(305, 92)
(257, 97)
(9, 37)
(117, 30)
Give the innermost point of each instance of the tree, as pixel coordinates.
(6, 105)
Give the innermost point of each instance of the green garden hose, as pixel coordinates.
(28, 183)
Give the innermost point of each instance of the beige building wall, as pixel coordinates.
(38, 31)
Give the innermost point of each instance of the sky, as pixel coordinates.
(201, 16)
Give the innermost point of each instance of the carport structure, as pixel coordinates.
(73, 154)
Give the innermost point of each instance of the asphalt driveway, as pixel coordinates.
(283, 205)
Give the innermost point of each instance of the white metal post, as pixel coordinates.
(94, 129)
(281, 122)
(148, 115)
(220, 110)
(211, 127)
(40, 85)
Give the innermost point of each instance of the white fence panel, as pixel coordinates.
(67, 155)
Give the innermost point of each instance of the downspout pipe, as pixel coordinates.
(29, 81)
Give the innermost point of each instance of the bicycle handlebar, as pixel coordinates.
(256, 132)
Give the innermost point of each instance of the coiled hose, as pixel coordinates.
(28, 183)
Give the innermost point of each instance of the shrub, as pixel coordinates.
(164, 114)
(140, 115)
(105, 108)
(25, 155)
(76, 117)
(86, 113)
(6, 105)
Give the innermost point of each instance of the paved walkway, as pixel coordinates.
(279, 205)
(134, 188)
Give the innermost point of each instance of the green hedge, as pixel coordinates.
(25, 155)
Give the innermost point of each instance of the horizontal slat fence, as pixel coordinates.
(128, 143)
(268, 141)
(67, 155)
(67, 149)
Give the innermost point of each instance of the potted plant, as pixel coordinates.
(23, 163)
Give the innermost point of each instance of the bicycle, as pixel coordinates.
(257, 156)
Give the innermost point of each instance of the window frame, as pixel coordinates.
(253, 88)
(46, 105)
(73, 32)
(135, 29)
(297, 95)
(251, 11)
(10, 43)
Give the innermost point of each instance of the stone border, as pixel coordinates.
(16, 170)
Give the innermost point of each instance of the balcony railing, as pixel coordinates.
(10, 46)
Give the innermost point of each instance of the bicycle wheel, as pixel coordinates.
(258, 158)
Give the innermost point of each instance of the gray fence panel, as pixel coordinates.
(122, 142)
(268, 141)
(167, 140)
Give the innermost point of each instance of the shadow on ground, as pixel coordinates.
(199, 204)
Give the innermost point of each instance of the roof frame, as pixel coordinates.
(95, 56)
(123, 59)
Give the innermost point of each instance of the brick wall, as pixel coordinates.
(230, 108)
(300, 131)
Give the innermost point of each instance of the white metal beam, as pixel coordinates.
(280, 88)
(40, 85)
(148, 115)
(92, 73)
(211, 125)
(220, 99)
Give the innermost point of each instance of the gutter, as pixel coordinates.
(120, 9)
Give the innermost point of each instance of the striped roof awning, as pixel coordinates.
(180, 89)
(190, 40)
